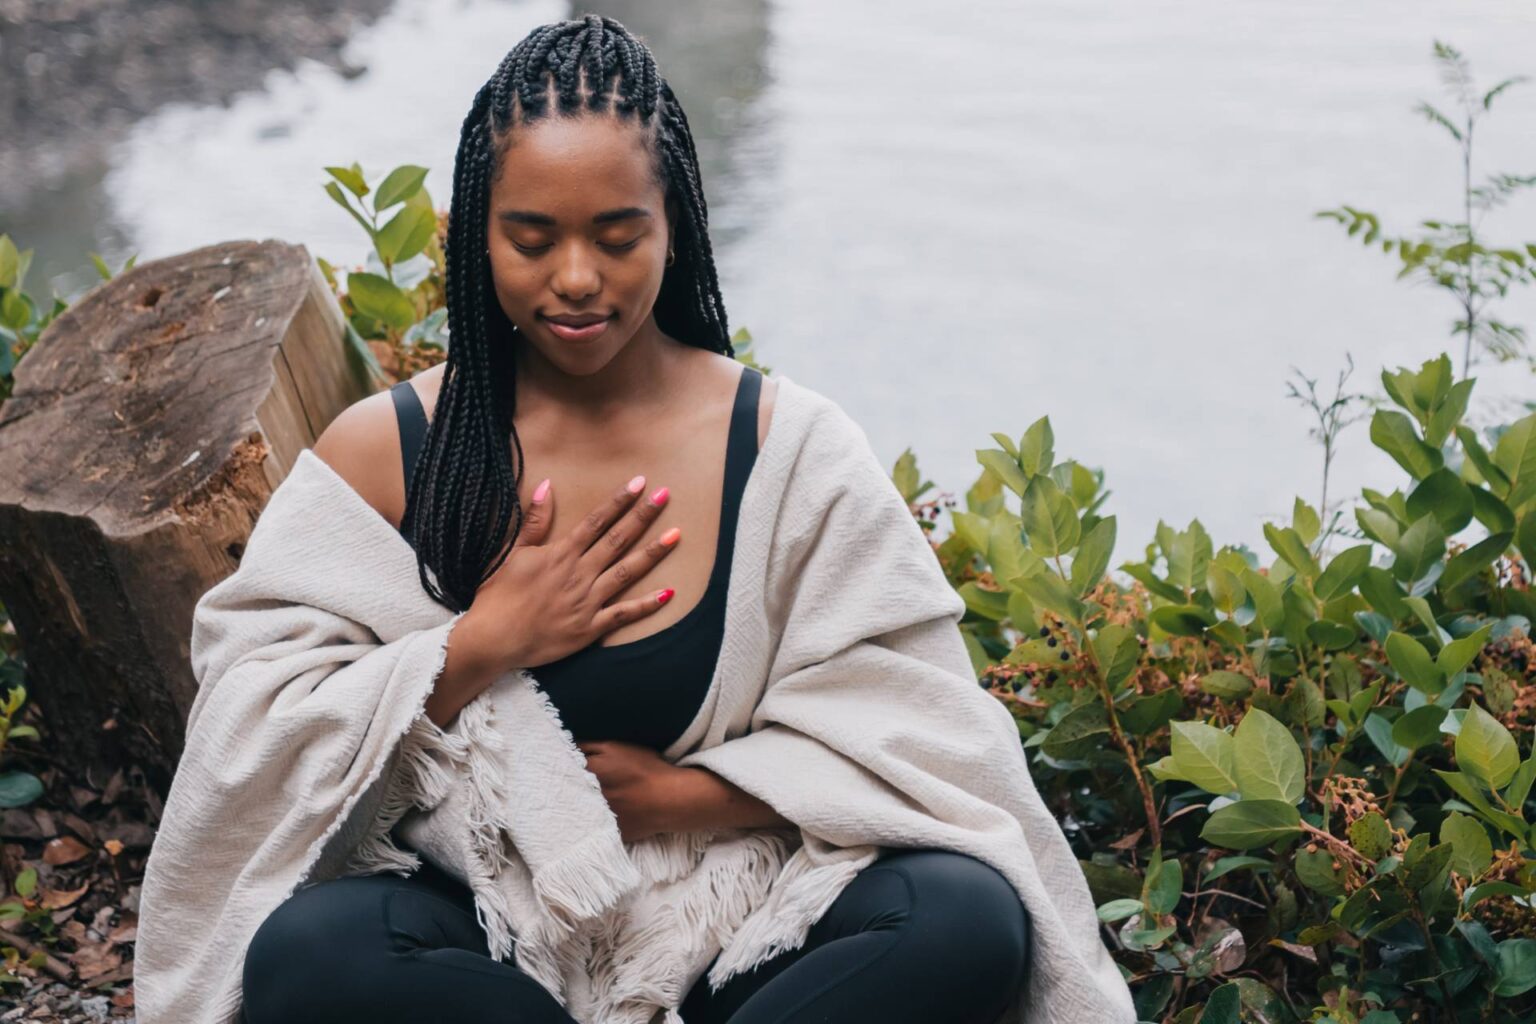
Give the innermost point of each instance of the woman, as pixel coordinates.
(589, 417)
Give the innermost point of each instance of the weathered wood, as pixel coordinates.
(147, 429)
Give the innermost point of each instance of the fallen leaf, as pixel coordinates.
(54, 899)
(114, 847)
(92, 960)
(64, 850)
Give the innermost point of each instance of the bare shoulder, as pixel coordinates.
(362, 445)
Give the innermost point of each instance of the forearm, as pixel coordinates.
(704, 800)
(467, 670)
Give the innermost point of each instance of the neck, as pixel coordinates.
(640, 373)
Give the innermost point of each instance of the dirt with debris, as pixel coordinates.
(71, 865)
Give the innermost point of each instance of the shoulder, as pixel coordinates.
(362, 446)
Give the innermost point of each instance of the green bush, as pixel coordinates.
(1300, 787)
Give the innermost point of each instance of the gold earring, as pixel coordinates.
(671, 256)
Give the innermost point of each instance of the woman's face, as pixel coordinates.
(578, 236)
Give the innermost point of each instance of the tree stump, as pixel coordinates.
(146, 432)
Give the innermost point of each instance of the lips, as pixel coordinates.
(577, 327)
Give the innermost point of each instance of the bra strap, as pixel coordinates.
(412, 418)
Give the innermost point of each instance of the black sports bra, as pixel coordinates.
(646, 691)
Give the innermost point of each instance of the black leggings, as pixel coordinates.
(918, 936)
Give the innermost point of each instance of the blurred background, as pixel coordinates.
(952, 218)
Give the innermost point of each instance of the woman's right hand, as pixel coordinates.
(550, 598)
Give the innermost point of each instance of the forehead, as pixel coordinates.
(576, 166)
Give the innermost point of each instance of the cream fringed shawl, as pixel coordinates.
(843, 697)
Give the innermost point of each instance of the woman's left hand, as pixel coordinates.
(642, 787)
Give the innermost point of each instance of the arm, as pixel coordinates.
(703, 800)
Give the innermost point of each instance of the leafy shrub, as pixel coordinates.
(1300, 789)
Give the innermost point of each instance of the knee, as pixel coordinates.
(292, 971)
(974, 908)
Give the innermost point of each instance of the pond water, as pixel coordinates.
(956, 218)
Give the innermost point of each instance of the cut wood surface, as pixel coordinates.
(146, 431)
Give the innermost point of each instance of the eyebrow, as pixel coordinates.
(545, 220)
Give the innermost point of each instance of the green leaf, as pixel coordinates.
(1419, 727)
(989, 604)
(1003, 466)
(1330, 635)
(1266, 599)
(1224, 1006)
(1119, 910)
(1117, 652)
(1444, 496)
(1379, 730)
(1227, 685)
(1473, 849)
(1081, 732)
(1288, 544)
(1475, 558)
(350, 177)
(1048, 590)
(1316, 872)
(1205, 756)
(1251, 823)
(1182, 619)
(1050, 520)
(1035, 447)
(1485, 749)
(1268, 760)
(1497, 482)
(1413, 663)
(1343, 572)
(1517, 967)
(400, 184)
(1092, 557)
(407, 234)
(1148, 714)
(17, 789)
(1395, 434)
(1420, 547)
(1458, 654)
(1370, 835)
(1165, 881)
(1305, 521)
(1515, 454)
(377, 297)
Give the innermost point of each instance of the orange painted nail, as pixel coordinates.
(663, 596)
(670, 537)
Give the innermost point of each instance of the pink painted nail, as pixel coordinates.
(659, 495)
(634, 485)
(542, 491)
(663, 596)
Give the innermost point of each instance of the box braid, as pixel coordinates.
(463, 494)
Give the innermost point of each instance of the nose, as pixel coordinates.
(576, 274)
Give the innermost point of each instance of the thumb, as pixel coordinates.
(537, 516)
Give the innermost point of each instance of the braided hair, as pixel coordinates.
(463, 493)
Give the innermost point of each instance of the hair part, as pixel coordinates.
(462, 508)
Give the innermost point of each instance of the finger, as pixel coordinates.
(621, 535)
(537, 515)
(633, 566)
(596, 522)
(613, 616)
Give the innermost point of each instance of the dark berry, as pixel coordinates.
(1065, 656)
(1045, 630)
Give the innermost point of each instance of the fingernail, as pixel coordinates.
(663, 596)
(542, 491)
(634, 485)
(670, 537)
(659, 495)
